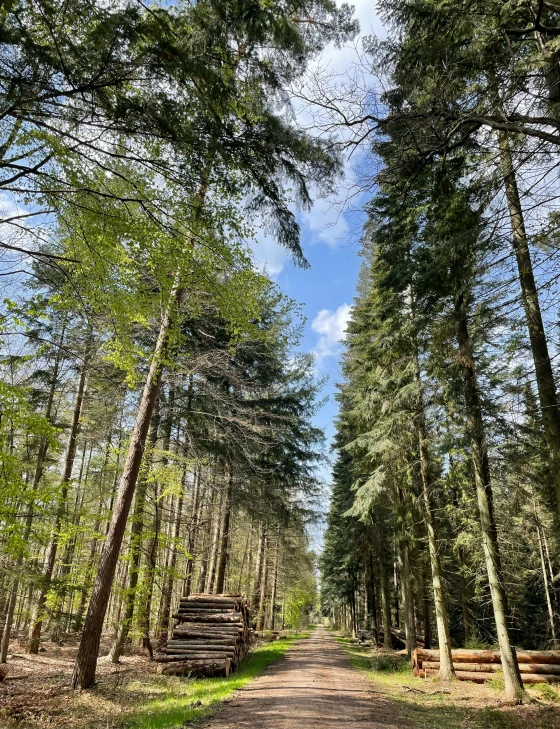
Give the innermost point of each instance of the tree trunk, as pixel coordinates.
(384, 589)
(221, 576)
(408, 599)
(275, 581)
(37, 622)
(215, 546)
(545, 575)
(135, 545)
(539, 347)
(446, 671)
(261, 616)
(512, 678)
(86, 661)
(193, 532)
(255, 600)
(147, 590)
(406, 581)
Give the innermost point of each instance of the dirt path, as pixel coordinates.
(313, 686)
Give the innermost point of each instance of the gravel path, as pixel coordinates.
(313, 687)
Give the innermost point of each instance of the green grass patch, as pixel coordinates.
(173, 702)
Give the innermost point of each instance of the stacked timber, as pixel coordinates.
(482, 665)
(210, 638)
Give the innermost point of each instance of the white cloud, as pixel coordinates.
(326, 223)
(331, 327)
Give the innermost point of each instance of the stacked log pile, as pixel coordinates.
(482, 665)
(210, 638)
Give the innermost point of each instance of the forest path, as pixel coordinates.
(314, 685)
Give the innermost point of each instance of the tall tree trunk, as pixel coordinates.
(512, 677)
(275, 581)
(221, 576)
(86, 660)
(372, 598)
(396, 591)
(147, 590)
(8, 622)
(135, 545)
(384, 588)
(215, 546)
(264, 587)
(37, 622)
(406, 581)
(408, 599)
(246, 553)
(446, 671)
(193, 531)
(256, 598)
(205, 543)
(545, 574)
(546, 385)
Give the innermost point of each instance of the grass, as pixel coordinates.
(416, 702)
(176, 702)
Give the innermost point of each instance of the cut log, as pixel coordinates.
(199, 617)
(180, 654)
(464, 655)
(195, 644)
(204, 638)
(481, 677)
(200, 668)
(496, 667)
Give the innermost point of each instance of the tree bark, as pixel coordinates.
(275, 581)
(255, 600)
(134, 550)
(512, 677)
(215, 546)
(193, 532)
(86, 660)
(221, 576)
(261, 616)
(384, 589)
(546, 384)
(545, 575)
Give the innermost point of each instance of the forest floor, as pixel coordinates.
(323, 682)
(403, 701)
(130, 695)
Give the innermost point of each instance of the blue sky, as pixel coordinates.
(330, 240)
